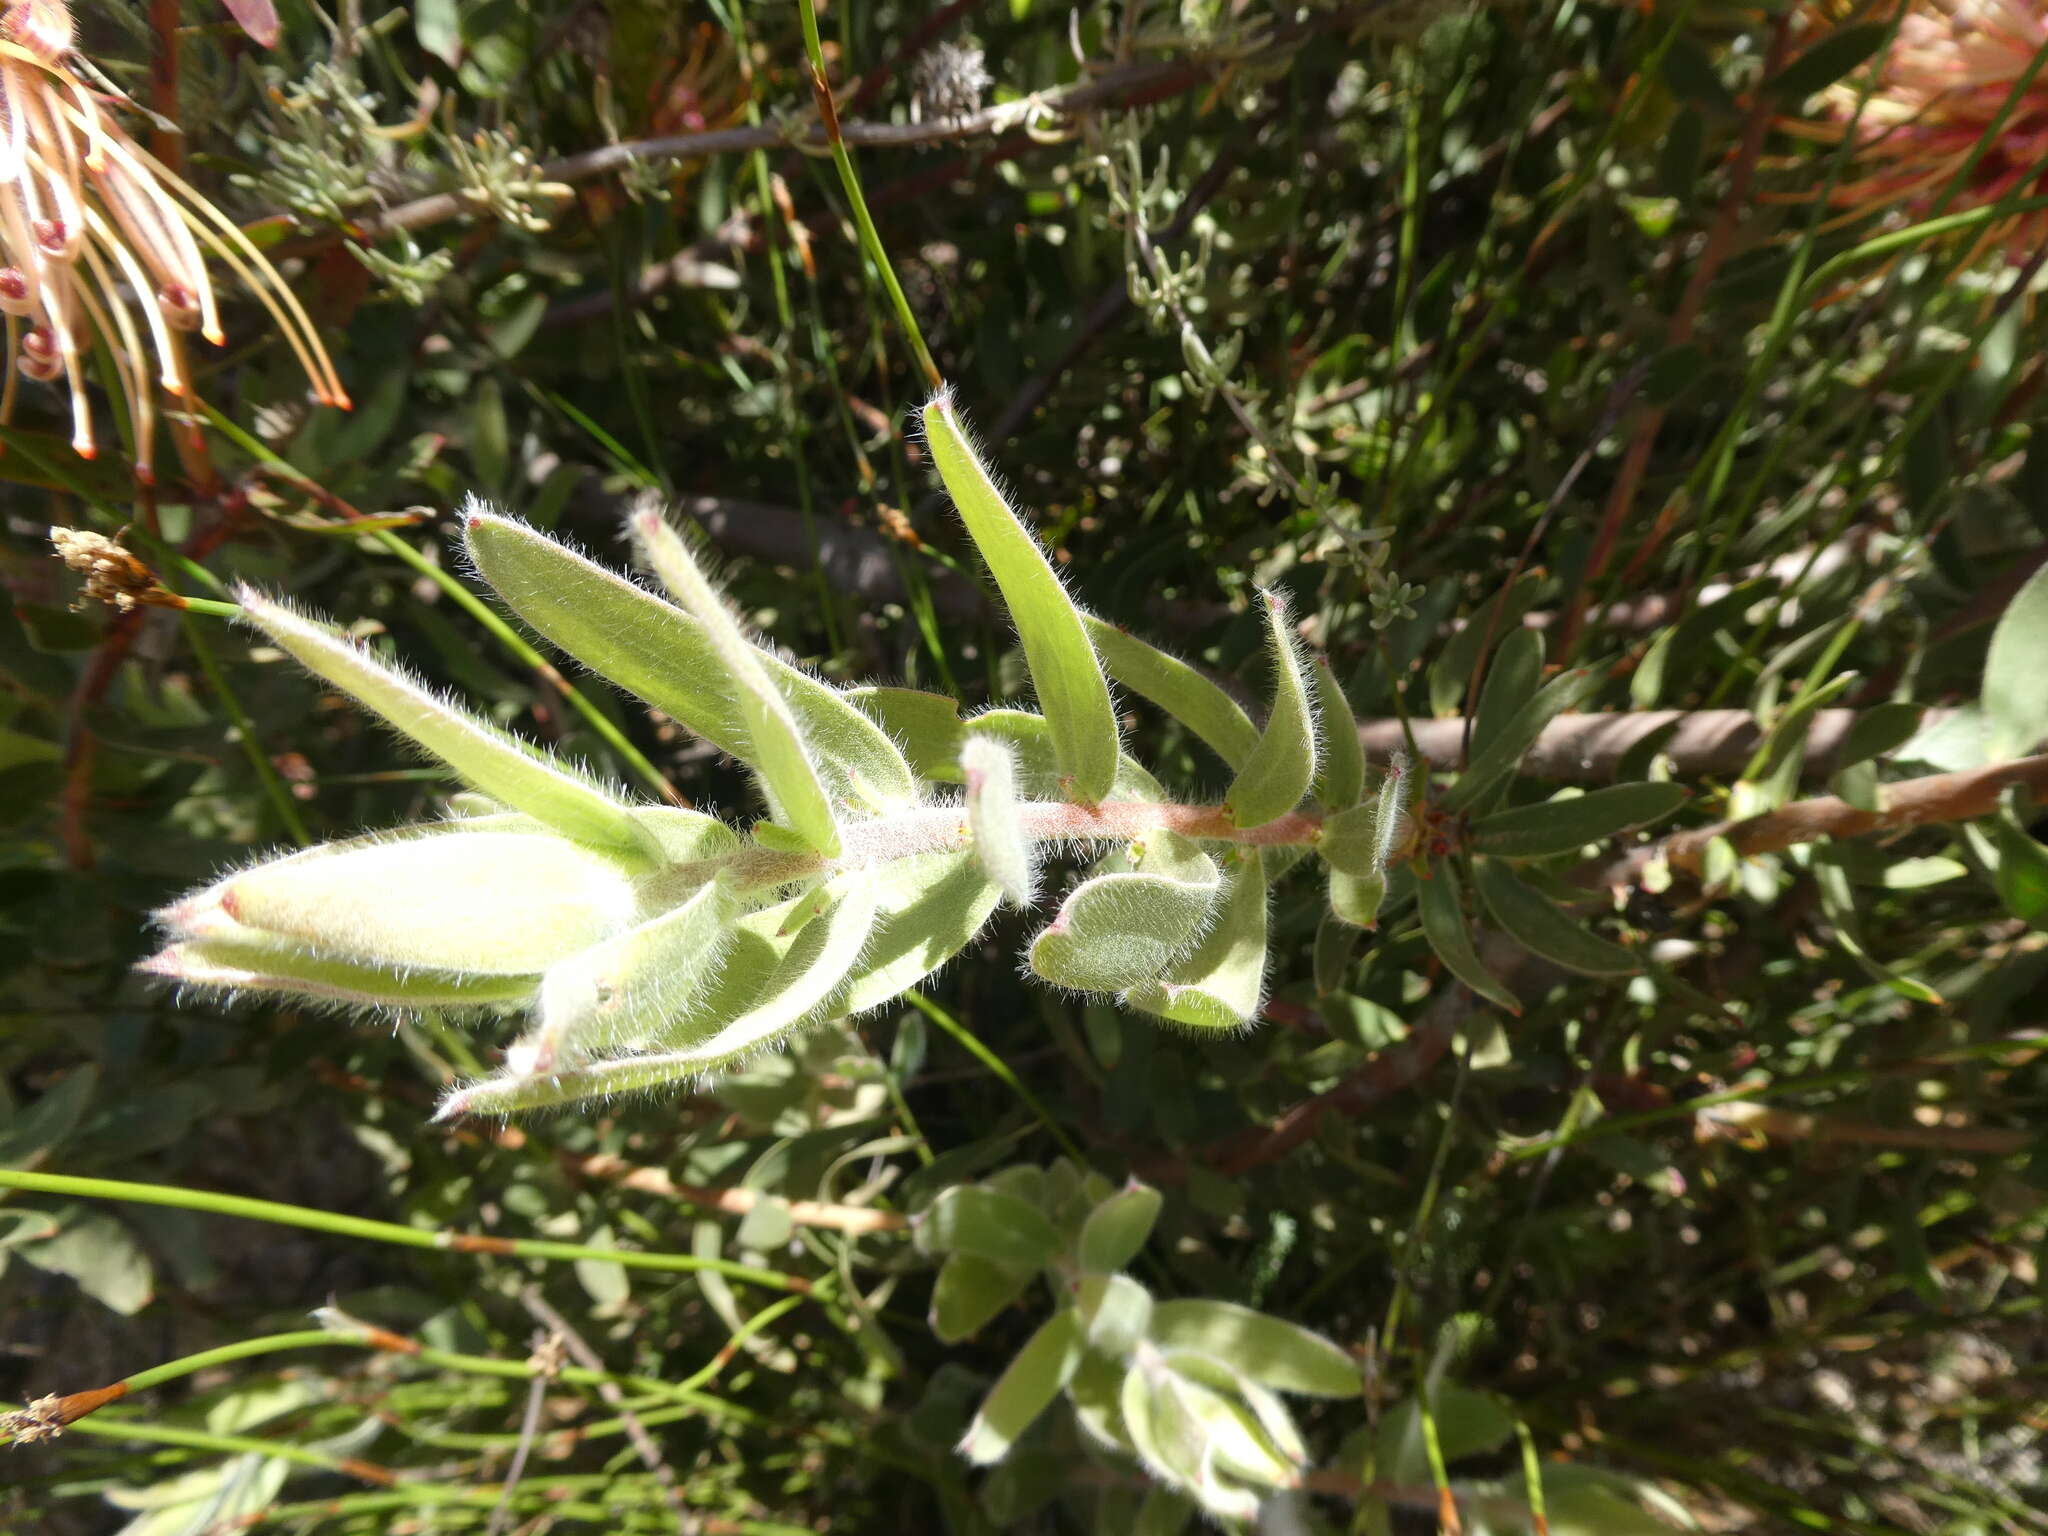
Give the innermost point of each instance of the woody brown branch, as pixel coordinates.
(1939, 797)
(1588, 749)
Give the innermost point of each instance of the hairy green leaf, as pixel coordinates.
(657, 652)
(786, 965)
(989, 769)
(492, 760)
(1280, 769)
(1115, 1312)
(1219, 984)
(1072, 694)
(1340, 772)
(970, 1291)
(775, 746)
(616, 993)
(469, 897)
(1178, 689)
(1117, 929)
(928, 907)
(1356, 899)
(262, 963)
(990, 1224)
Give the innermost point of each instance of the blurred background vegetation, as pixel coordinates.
(1582, 317)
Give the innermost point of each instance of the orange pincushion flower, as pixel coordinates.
(95, 232)
(1946, 78)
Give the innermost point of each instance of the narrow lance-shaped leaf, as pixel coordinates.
(487, 758)
(776, 749)
(1178, 689)
(1567, 825)
(989, 769)
(1442, 912)
(1025, 1390)
(1495, 759)
(1545, 929)
(657, 652)
(1512, 679)
(1340, 774)
(1065, 673)
(1121, 928)
(1278, 773)
(1222, 982)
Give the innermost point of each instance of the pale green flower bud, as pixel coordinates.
(495, 903)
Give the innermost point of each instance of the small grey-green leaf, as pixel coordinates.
(969, 1291)
(1044, 1365)
(1356, 899)
(989, 1224)
(2015, 682)
(1545, 929)
(788, 965)
(1280, 769)
(1569, 824)
(1116, 1230)
(1179, 690)
(1269, 1350)
(1065, 673)
(1444, 925)
(1119, 929)
(1222, 981)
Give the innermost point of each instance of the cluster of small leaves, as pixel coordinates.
(1187, 1389)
